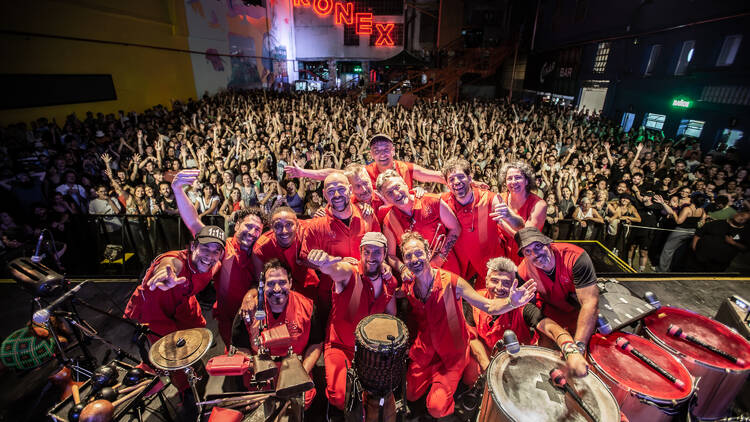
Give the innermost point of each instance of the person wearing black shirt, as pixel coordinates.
(717, 243)
(639, 238)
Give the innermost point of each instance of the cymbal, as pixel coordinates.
(180, 349)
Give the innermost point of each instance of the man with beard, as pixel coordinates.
(283, 307)
(362, 188)
(425, 215)
(360, 289)
(165, 300)
(480, 240)
(382, 152)
(340, 230)
(567, 291)
(486, 330)
(440, 351)
(237, 275)
(283, 242)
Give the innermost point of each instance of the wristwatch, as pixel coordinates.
(581, 347)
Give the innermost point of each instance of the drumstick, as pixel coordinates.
(232, 399)
(626, 346)
(676, 331)
(246, 402)
(558, 379)
(127, 390)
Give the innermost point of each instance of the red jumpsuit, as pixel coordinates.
(304, 279)
(424, 220)
(166, 311)
(480, 238)
(354, 303)
(234, 279)
(333, 236)
(297, 317)
(512, 320)
(552, 296)
(524, 212)
(440, 352)
(404, 169)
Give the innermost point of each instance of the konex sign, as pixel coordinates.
(343, 14)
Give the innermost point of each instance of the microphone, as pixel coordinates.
(559, 381)
(676, 331)
(652, 300)
(603, 325)
(42, 316)
(511, 342)
(36, 258)
(625, 345)
(260, 311)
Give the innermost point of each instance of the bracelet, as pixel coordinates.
(568, 348)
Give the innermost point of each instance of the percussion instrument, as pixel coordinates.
(518, 388)
(380, 353)
(642, 392)
(24, 350)
(720, 379)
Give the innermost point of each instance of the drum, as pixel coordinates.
(518, 388)
(720, 380)
(642, 393)
(380, 353)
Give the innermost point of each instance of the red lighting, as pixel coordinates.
(363, 23)
(385, 30)
(343, 13)
(305, 3)
(323, 8)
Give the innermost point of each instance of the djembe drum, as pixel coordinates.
(380, 362)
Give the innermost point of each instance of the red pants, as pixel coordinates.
(337, 361)
(441, 381)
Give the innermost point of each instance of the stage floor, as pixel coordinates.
(22, 398)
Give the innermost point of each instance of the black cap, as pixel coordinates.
(211, 234)
(528, 235)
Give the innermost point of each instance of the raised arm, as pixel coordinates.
(188, 213)
(428, 176)
(519, 296)
(335, 267)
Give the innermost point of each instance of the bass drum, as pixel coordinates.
(518, 389)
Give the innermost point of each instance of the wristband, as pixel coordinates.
(581, 347)
(568, 348)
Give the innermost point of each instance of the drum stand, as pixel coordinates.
(193, 379)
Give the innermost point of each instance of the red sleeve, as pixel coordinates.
(308, 241)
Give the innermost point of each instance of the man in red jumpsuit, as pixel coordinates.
(364, 192)
(480, 240)
(283, 242)
(566, 282)
(440, 352)
(360, 289)
(283, 306)
(236, 276)
(427, 216)
(383, 153)
(165, 300)
(486, 330)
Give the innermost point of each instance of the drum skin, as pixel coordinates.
(720, 380)
(640, 391)
(380, 353)
(518, 389)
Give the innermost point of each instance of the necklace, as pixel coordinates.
(422, 296)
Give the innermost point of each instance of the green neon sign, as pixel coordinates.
(681, 103)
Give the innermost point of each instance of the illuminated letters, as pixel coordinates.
(305, 3)
(384, 34)
(363, 23)
(343, 13)
(323, 7)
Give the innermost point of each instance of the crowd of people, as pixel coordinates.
(597, 181)
(442, 214)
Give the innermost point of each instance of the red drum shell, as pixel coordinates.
(720, 380)
(640, 391)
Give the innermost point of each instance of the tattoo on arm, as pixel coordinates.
(450, 240)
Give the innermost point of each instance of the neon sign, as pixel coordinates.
(343, 14)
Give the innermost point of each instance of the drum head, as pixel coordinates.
(378, 331)
(521, 389)
(706, 329)
(631, 373)
(180, 349)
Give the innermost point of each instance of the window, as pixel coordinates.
(729, 50)
(602, 54)
(686, 56)
(654, 121)
(690, 128)
(350, 36)
(397, 34)
(653, 56)
(627, 121)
